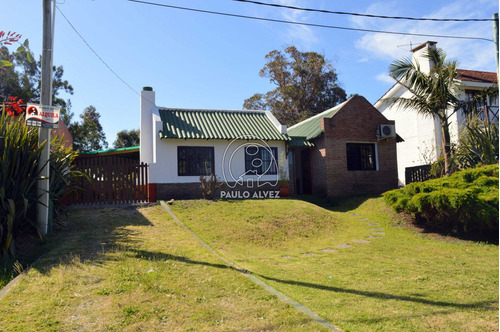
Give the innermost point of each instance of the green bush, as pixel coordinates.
(19, 163)
(62, 170)
(464, 203)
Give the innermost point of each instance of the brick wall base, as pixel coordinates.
(167, 191)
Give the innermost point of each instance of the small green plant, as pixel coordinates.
(210, 186)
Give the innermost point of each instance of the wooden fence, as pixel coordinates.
(417, 173)
(110, 180)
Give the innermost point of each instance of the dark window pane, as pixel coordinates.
(360, 157)
(261, 160)
(195, 161)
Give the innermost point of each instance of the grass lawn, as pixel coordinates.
(353, 264)
(127, 269)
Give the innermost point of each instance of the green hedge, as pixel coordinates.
(464, 203)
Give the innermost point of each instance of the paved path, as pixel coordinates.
(376, 232)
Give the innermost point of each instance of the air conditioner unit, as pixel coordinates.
(386, 131)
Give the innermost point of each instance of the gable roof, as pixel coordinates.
(311, 128)
(477, 76)
(218, 124)
(463, 75)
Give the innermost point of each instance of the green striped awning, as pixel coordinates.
(218, 124)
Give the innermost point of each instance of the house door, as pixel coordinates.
(306, 171)
(301, 170)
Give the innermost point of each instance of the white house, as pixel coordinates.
(240, 147)
(422, 135)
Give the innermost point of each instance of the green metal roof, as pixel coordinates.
(299, 142)
(129, 149)
(310, 128)
(218, 124)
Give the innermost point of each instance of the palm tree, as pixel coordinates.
(432, 93)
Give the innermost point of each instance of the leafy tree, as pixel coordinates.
(88, 134)
(22, 80)
(306, 83)
(10, 38)
(127, 138)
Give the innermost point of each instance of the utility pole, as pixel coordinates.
(495, 38)
(44, 133)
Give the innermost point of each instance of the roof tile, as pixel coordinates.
(477, 76)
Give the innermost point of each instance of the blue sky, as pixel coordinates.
(195, 60)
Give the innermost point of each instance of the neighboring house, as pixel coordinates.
(349, 150)
(422, 135)
(336, 153)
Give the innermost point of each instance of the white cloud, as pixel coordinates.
(298, 35)
(383, 77)
(471, 54)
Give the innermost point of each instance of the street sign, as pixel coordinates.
(42, 116)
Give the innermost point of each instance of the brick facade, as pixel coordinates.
(318, 167)
(355, 122)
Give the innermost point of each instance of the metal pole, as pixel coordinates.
(44, 133)
(495, 38)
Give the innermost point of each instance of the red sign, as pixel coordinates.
(42, 116)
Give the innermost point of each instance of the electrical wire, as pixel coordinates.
(369, 15)
(306, 24)
(95, 53)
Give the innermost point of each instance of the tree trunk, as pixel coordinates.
(445, 140)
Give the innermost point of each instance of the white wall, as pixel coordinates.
(165, 168)
(421, 136)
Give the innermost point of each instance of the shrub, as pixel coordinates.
(477, 142)
(464, 203)
(209, 186)
(19, 164)
(19, 161)
(62, 170)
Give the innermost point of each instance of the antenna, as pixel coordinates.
(403, 46)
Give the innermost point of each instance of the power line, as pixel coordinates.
(97, 55)
(306, 24)
(370, 15)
